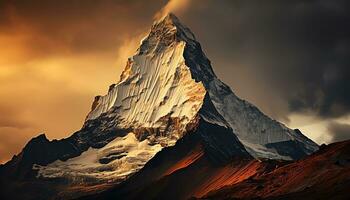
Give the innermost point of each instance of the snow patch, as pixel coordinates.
(118, 159)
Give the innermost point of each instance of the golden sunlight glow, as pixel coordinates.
(172, 6)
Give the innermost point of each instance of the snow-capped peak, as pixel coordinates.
(169, 89)
(164, 33)
(156, 85)
(168, 78)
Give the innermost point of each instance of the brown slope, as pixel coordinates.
(323, 175)
(176, 172)
(195, 178)
(186, 171)
(199, 178)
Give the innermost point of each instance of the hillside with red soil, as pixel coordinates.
(191, 174)
(323, 175)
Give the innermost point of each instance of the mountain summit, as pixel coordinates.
(171, 80)
(167, 95)
(168, 89)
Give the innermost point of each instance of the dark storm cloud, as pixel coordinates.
(285, 56)
(292, 54)
(339, 131)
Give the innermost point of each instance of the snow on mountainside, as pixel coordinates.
(127, 153)
(168, 89)
(150, 88)
(156, 99)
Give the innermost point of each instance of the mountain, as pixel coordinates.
(167, 103)
(183, 172)
(170, 78)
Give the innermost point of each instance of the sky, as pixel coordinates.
(289, 58)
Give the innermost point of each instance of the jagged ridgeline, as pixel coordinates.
(168, 90)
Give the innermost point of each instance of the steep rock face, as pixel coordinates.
(167, 90)
(155, 86)
(172, 48)
(254, 129)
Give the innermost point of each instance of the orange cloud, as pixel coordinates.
(176, 6)
(51, 66)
